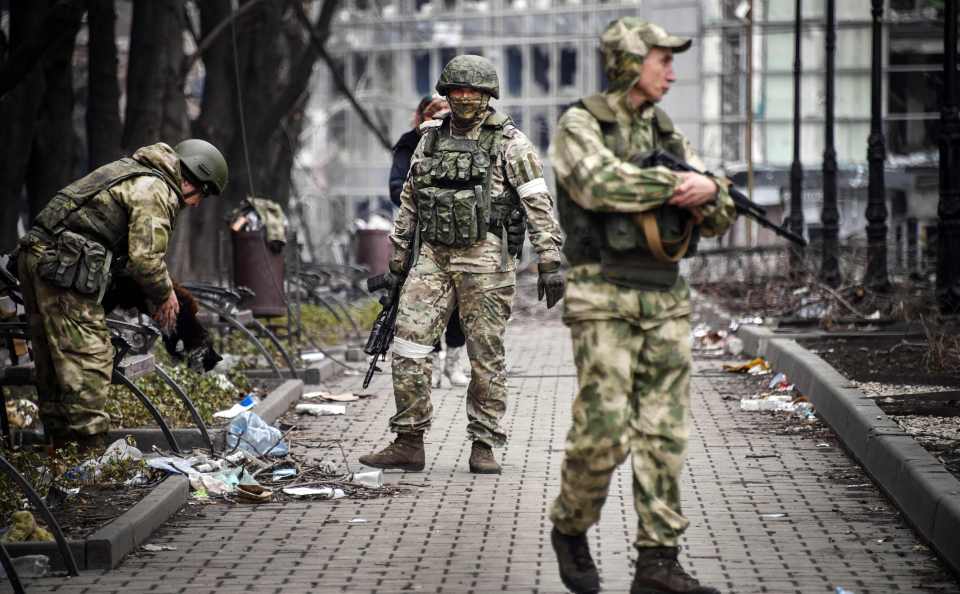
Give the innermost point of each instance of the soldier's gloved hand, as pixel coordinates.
(551, 283)
(516, 230)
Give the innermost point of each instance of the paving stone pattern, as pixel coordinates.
(477, 534)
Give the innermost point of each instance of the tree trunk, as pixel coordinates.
(18, 112)
(53, 156)
(103, 101)
(275, 64)
(155, 110)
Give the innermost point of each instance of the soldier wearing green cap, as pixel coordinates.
(471, 173)
(627, 306)
(116, 220)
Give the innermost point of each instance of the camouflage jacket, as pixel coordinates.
(517, 166)
(141, 211)
(598, 180)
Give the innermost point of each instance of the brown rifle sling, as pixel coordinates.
(648, 223)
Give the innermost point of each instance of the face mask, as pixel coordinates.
(467, 109)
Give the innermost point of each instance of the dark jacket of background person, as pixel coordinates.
(402, 151)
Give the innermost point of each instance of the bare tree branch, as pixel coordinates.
(211, 37)
(319, 43)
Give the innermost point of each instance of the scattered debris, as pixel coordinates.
(152, 548)
(317, 492)
(246, 404)
(344, 397)
(29, 566)
(252, 434)
(25, 528)
(321, 410)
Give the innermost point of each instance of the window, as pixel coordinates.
(514, 57)
(422, 74)
(568, 70)
(447, 54)
(541, 68)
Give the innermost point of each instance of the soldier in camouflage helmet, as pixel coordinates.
(116, 220)
(471, 171)
(627, 306)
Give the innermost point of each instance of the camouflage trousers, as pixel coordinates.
(72, 354)
(426, 302)
(633, 399)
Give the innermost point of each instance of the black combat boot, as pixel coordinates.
(482, 460)
(659, 572)
(405, 453)
(577, 569)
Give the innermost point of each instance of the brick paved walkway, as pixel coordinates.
(770, 511)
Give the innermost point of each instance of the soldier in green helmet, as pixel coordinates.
(116, 220)
(470, 173)
(627, 306)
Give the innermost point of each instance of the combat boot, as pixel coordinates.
(482, 460)
(452, 368)
(405, 453)
(659, 572)
(577, 570)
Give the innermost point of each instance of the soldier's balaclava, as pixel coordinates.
(625, 43)
(468, 110)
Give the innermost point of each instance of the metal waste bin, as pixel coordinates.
(260, 269)
(374, 250)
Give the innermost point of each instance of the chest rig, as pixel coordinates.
(630, 249)
(105, 221)
(455, 204)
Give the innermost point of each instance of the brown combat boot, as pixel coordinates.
(577, 570)
(659, 572)
(481, 459)
(405, 453)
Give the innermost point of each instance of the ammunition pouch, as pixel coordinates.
(76, 263)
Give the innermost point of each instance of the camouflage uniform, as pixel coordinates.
(479, 277)
(133, 218)
(631, 341)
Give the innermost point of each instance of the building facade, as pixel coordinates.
(390, 52)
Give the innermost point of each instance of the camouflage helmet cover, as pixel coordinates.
(626, 41)
(204, 164)
(473, 72)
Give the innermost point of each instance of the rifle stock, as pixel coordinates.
(744, 205)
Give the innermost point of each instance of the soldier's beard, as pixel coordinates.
(467, 110)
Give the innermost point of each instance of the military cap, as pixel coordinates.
(636, 36)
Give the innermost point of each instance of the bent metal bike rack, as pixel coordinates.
(68, 559)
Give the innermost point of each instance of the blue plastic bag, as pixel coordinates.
(255, 436)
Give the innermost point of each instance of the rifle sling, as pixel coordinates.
(648, 222)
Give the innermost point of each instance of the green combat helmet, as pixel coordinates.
(473, 72)
(204, 164)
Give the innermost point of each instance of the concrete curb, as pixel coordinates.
(105, 548)
(279, 400)
(926, 493)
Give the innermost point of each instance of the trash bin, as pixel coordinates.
(259, 268)
(374, 249)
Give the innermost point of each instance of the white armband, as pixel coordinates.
(534, 186)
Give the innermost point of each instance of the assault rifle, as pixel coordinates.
(381, 335)
(745, 206)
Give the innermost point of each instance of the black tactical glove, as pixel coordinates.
(516, 230)
(551, 283)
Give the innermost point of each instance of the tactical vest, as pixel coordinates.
(452, 186)
(616, 241)
(107, 224)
